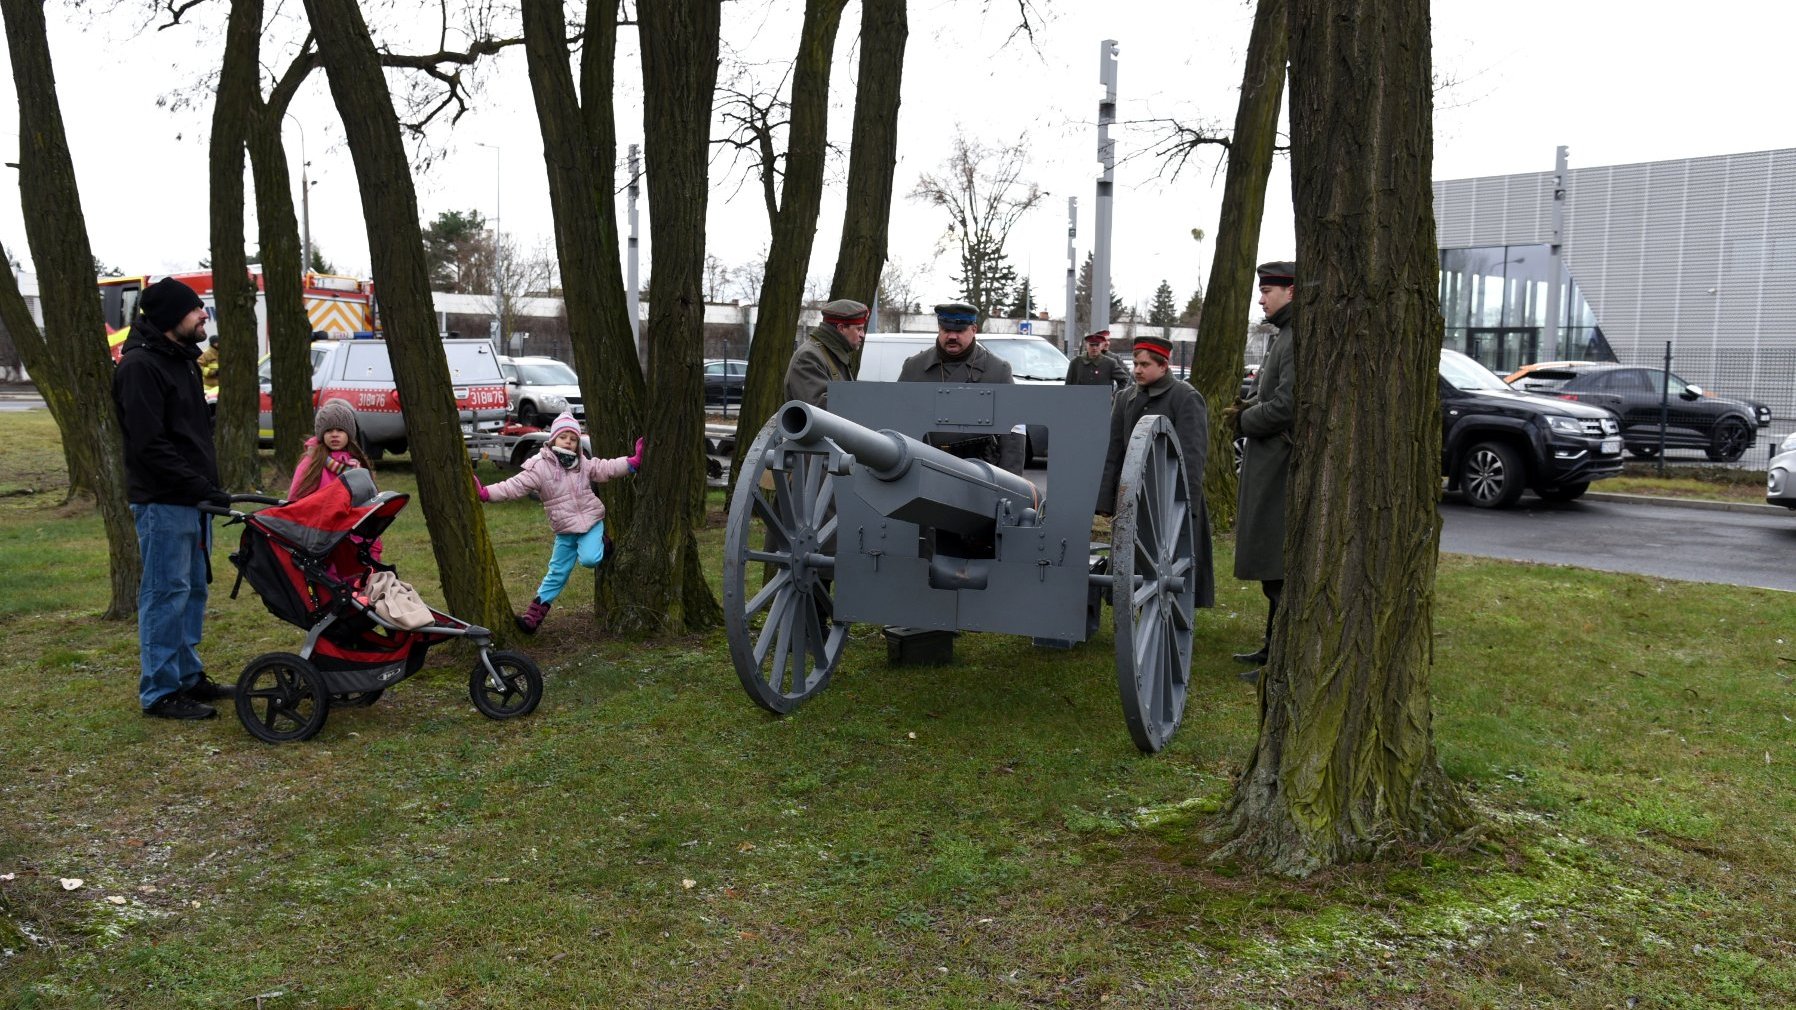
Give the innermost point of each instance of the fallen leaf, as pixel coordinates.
(731, 892)
(72, 883)
(689, 883)
(912, 735)
(746, 847)
(749, 934)
(6, 876)
(147, 889)
(116, 899)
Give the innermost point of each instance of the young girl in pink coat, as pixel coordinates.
(562, 475)
(331, 450)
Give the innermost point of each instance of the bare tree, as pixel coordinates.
(1217, 357)
(983, 190)
(794, 224)
(458, 533)
(661, 586)
(234, 293)
(1345, 761)
(74, 370)
(873, 156)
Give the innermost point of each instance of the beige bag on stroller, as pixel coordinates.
(397, 602)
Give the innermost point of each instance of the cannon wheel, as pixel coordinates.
(1153, 550)
(782, 635)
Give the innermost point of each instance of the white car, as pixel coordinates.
(1033, 362)
(540, 388)
(1780, 475)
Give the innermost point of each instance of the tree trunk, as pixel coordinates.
(873, 159)
(283, 271)
(658, 576)
(579, 151)
(72, 367)
(458, 534)
(289, 327)
(1345, 761)
(234, 293)
(1217, 361)
(794, 226)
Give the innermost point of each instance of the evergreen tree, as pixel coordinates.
(1163, 311)
(1022, 304)
(1082, 299)
(1194, 310)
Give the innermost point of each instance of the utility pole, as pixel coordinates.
(498, 260)
(1555, 265)
(305, 202)
(1100, 256)
(632, 279)
(1072, 274)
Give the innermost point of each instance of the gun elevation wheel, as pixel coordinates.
(778, 556)
(1153, 551)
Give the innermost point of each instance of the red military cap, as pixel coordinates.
(1159, 345)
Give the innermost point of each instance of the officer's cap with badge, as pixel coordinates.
(845, 312)
(955, 316)
(1278, 274)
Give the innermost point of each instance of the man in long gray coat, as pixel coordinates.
(957, 357)
(827, 353)
(1265, 420)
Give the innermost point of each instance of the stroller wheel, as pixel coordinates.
(514, 691)
(280, 698)
(357, 699)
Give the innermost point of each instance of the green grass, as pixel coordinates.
(650, 838)
(1710, 483)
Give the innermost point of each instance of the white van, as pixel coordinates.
(1033, 362)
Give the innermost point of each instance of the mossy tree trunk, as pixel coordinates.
(234, 293)
(658, 577)
(873, 158)
(794, 226)
(283, 272)
(1345, 760)
(580, 150)
(68, 360)
(1217, 362)
(458, 532)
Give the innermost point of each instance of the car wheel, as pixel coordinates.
(527, 414)
(1644, 451)
(1730, 440)
(1240, 446)
(1491, 476)
(1565, 492)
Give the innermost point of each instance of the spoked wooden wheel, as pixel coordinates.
(1153, 549)
(778, 556)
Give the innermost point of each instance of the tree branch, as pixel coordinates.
(175, 12)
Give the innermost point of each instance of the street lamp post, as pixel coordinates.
(498, 245)
(305, 200)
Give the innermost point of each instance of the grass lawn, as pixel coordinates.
(1714, 483)
(981, 834)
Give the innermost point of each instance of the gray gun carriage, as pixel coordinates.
(840, 517)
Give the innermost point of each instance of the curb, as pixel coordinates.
(1749, 508)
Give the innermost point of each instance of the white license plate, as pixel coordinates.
(1611, 446)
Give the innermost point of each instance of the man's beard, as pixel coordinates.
(195, 336)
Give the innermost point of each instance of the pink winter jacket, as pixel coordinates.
(325, 477)
(567, 495)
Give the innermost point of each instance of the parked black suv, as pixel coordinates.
(1497, 441)
(1722, 427)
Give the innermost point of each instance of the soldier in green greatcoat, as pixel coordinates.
(1264, 418)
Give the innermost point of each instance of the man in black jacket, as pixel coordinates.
(171, 468)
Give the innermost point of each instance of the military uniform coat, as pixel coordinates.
(822, 358)
(1175, 400)
(1084, 371)
(1266, 422)
(980, 365)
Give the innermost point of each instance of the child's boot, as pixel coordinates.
(532, 616)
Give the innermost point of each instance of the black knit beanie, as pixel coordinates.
(167, 302)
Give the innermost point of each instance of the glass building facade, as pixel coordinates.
(1496, 301)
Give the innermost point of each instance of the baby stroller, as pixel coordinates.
(309, 560)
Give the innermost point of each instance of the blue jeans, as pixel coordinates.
(172, 541)
(588, 548)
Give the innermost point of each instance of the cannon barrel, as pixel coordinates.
(889, 455)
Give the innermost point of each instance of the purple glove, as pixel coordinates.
(480, 490)
(636, 460)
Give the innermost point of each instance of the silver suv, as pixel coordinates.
(359, 373)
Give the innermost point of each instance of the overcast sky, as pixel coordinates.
(1612, 81)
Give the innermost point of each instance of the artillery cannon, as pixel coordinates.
(841, 517)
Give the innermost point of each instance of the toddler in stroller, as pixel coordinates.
(309, 571)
